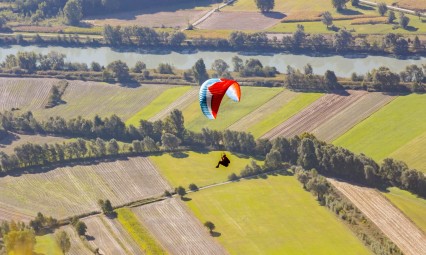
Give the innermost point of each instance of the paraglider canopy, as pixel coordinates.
(212, 92)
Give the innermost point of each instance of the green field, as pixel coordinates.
(411, 205)
(136, 230)
(159, 103)
(198, 167)
(285, 112)
(387, 130)
(47, 245)
(229, 111)
(413, 153)
(272, 216)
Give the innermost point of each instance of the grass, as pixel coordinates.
(411, 205)
(229, 111)
(160, 102)
(388, 129)
(197, 167)
(138, 232)
(272, 216)
(47, 245)
(196, 33)
(84, 30)
(298, 103)
(413, 153)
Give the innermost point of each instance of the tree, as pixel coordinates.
(81, 228)
(238, 63)
(302, 176)
(416, 43)
(318, 185)
(327, 19)
(63, 241)
(170, 141)
(210, 226)
(391, 17)
(139, 67)
(27, 60)
(19, 241)
(113, 147)
(112, 35)
(384, 79)
(220, 67)
(199, 70)
(165, 68)
(119, 70)
(273, 160)
(355, 2)
(342, 40)
(331, 80)
(400, 47)
(95, 67)
(73, 12)
(265, 5)
(403, 20)
(308, 69)
(193, 187)
(338, 4)
(106, 207)
(382, 8)
(177, 38)
(299, 36)
(180, 191)
(232, 177)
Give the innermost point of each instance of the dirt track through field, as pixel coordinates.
(104, 235)
(340, 123)
(393, 223)
(177, 229)
(179, 104)
(263, 111)
(315, 114)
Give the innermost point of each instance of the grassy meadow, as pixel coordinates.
(47, 245)
(272, 216)
(229, 111)
(413, 153)
(389, 129)
(197, 167)
(138, 232)
(411, 205)
(162, 101)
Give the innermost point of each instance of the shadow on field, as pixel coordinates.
(274, 15)
(179, 154)
(89, 238)
(8, 139)
(365, 7)
(215, 234)
(350, 12)
(186, 199)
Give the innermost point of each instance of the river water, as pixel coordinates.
(343, 66)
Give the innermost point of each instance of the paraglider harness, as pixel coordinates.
(224, 161)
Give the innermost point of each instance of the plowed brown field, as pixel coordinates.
(241, 20)
(73, 190)
(25, 94)
(338, 124)
(177, 229)
(393, 223)
(103, 234)
(316, 114)
(77, 246)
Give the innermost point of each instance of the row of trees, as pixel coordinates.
(306, 80)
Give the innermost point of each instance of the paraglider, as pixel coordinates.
(224, 161)
(212, 92)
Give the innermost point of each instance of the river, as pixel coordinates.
(343, 66)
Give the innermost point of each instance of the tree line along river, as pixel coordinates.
(343, 66)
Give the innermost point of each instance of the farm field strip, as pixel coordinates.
(229, 111)
(104, 236)
(387, 130)
(349, 117)
(180, 104)
(77, 246)
(240, 21)
(8, 212)
(67, 191)
(124, 237)
(90, 98)
(264, 110)
(393, 223)
(9, 143)
(315, 114)
(411, 205)
(26, 94)
(413, 153)
(185, 234)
